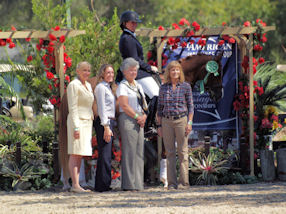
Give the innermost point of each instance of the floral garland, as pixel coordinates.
(174, 43)
(46, 50)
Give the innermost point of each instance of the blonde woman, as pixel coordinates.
(175, 115)
(104, 123)
(79, 122)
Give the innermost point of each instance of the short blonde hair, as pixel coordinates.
(171, 65)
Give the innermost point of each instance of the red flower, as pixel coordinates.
(192, 41)
(231, 40)
(161, 28)
(13, 28)
(28, 39)
(225, 37)
(68, 61)
(184, 21)
(254, 82)
(2, 42)
(29, 58)
(190, 33)
(258, 47)
(50, 87)
(196, 26)
(149, 55)
(264, 39)
(261, 60)
(41, 42)
(50, 75)
(175, 26)
(62, 39)
(50, 49)
(51, 43)
(223, 23)
(221, 42)
(57, 28)
(53, 101)
(171, 41)
(236, 105)
(67, 78)
(8, 40)
(52, 37)
(202, 42)
(183, 44)
(175, 46)
(247, 24)
(39, 47)
(12, 45)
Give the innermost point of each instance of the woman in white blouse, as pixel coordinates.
(79, 122)
(132, 118)
(105, 100)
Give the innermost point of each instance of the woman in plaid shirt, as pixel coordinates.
(175, 115)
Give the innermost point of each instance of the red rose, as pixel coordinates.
(39, 47)
(175, 26)
(28, 39)
(221, 42)
(50, 49)
(29, 58)
(196, 26)
(258, 47)
(13, 28)
(223, 24)
(171, 41)
(41, 42)
(236, 105)
(53, 101)
(254, 83)
(2, 42)
(225, 37)
(192, 41)
(8, 40)
(175, 46)
(261, 60)
(190, 33)
(67, 78)
(264, 39)
(247, 24)
(161, 28)
(12, 45)
(62, 39)
(68, 61)
(52, 37)
(231, 40)
(50, 87)
(183, 44)
(202, 42)
(184, 21)
(50, 75)
(149, 55)
(57, 28)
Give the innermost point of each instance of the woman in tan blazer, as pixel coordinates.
(79, 122)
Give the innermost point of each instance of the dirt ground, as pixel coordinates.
(248, 198)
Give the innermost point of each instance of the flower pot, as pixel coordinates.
(281, 164)
(267, 165)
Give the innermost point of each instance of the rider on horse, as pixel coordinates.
(129, 46)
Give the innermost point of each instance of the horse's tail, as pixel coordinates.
(63, 148)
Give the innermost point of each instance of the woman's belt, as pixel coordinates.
(175, 117)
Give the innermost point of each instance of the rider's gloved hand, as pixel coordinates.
(154, 69)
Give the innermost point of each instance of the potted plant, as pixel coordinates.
(266, 115)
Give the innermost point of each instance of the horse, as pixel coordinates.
(194, 68)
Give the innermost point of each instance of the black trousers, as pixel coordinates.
(103, 168)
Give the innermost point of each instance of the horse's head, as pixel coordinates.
(194, 68)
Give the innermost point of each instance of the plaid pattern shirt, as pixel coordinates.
(179, 101)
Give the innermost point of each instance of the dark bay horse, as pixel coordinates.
(194, 68)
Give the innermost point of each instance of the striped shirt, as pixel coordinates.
(179, 101)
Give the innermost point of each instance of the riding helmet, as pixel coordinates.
(129, 16)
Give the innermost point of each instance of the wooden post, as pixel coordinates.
(207, 145)
(251, 104)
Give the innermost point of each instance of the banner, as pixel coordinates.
(210, 115)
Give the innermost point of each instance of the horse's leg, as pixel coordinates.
(163, 167)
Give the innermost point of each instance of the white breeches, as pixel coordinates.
(150, 86)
